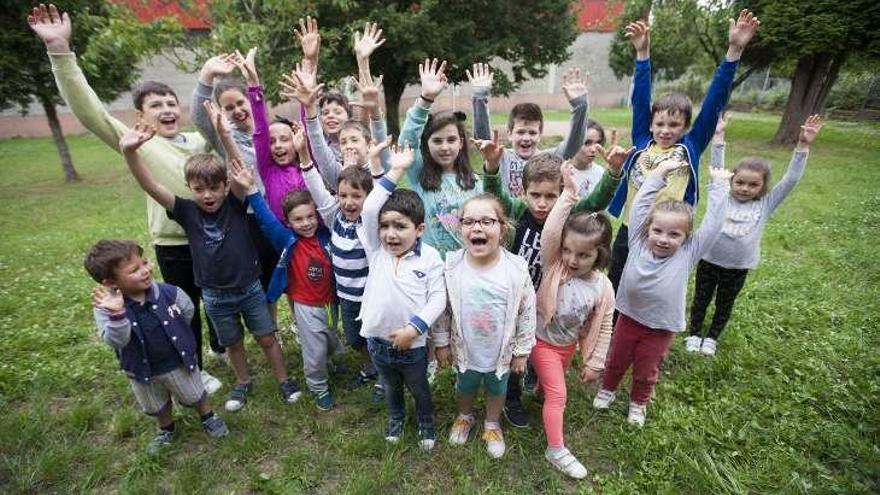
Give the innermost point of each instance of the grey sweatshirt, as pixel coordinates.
(329, 164)
(652, 290)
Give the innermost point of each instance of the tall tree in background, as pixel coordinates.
(530, 35)
(110, 41)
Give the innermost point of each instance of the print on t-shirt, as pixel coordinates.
(315, 270)
(483, 307)
(214, 234)
(651, 158)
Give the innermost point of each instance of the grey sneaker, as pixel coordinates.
(215, 427)
(378, 395)
(289, 391)
(394, 431)
(324, 400)
(162, 439)
(238, 397)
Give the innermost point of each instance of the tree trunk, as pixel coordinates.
(70, 174)
(812, 81)
(393, 92)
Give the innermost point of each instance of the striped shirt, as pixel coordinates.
(350, 264)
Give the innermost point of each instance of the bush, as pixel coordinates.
(692, 84)
(852, 91)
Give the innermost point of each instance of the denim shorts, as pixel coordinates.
(227, 307)
(351, 326)
(469, 382)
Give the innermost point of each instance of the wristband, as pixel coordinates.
(429, 100)
(306, 168)
(378, 176)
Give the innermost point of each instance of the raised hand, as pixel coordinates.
(638, 34)
(375, 148)
(810, 130)
(366, 42)
(349, 158)
(433, 76)
(247, 66)
(300, 143)
(369, 89)
(218, 65)
(742, 30)
(109, 300)
(720, 174)
(136, 136)
(402, 156)
(573, 85)
(491, 151)
(721, 127)
(615, 155)
(568, 183)
(668, 165)
(482, 77)
(309, 38)
(294, 87)
(52, 27)
(218, 120)
(242, 176)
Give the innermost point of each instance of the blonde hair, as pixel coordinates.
(670, 206)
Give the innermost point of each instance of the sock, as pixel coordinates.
(491, 425)
(554, 450)
(204, 417)
(169, 428)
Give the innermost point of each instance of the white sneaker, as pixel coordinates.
(494, 441)
(692, 343)
(211, 383)
(603, 399)
(636, 414)
(432, 371)
(461, 429)
(563, 460)
(709, 346)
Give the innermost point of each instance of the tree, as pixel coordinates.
(110, 43)
(530, 35)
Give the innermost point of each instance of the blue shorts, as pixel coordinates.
(227, 307)
(468, 383)
(351, 326)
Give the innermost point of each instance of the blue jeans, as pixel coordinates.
(226, 309)
(348, 313)
(399, 368)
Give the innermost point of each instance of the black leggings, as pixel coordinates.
(722, 283)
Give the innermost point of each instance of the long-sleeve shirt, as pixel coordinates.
(328, 161)
(164, 157)
(652, 289)
(441, 204)
(511, 167)
(409, 289)
(277, 179)
(739, 245)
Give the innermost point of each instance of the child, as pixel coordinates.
(492, 332)
(526, 124)
(304, 273)
(588, 173)
(663, 133)
(543, 182)
(157, 104)
(441, 174)
(404, 296)
(224, 258)
(651, 297)
(575, 309)
(725, 266)
(147, 323)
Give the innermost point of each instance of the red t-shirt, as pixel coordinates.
(310, 275)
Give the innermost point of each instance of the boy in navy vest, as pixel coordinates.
(147, 323)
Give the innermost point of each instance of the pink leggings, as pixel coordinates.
(550, 363)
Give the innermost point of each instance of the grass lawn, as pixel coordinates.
(789, 405)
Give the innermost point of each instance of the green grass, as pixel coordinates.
(789, 405)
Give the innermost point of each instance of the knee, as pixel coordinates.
(267, 341)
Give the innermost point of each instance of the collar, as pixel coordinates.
(415, 250)
(151, 295)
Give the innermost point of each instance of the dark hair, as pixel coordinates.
(280, 119)
(595, 225)
(294, 198)
(542, 167)
(507, 227)
(406, 202)
(205, 167)
(669, 206)
(755, 164)
(432, 172)
(228, 84)
(334, 97)
(674, 104)
(147, 88)
(359, 126)
(104, 257)
(528, 112)
(592, 124)
(356, 177)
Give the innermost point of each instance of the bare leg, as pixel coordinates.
(273, 353)
(494, 406)
(238, 361)
(165, 419)
(466, 403)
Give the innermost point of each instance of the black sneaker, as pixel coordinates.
(215, 426)
(378, 395)
(238, 397)
(393, 431)
(530, 381)
(289, 391)
(427, 437)
(162, 439)
(515, 414)
(359, 379)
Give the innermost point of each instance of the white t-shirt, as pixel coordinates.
(574, 306)
(586, 180)
(484, 294)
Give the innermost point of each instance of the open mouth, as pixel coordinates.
(479, 241)
(168, 120)
(281, 156)
(240, 117)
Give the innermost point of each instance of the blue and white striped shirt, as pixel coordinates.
(350, 264)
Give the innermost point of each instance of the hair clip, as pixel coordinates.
(461, 116)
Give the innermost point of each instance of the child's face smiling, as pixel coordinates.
(746, 185)
(132, 276)
(579, 253)
(398, 232)
(281, 143)
(587, 153)
(303, 219)
(482, 242)
(525, 136)
(351, 200)
(333, 115)
(208, 197)
(540, 198)
(353, 139)
(163, 112)
(666, 233)
(444, 146)
(667, 129)
(237, 109)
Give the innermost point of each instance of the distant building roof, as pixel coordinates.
(194, 16)
(599, 15)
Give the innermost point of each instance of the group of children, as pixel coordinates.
(496, 276)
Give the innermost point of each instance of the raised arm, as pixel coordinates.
(644, 200)
(327, 204)
(710, 228)
(551, 236)
(365, 43)
(300, 85)
(369, 89)
(638, 34)
(718, 145)
(575, 88)
(129, 144)
(492, 152)
(402, 158)
(310, 41)
(481, 86)
(615, 157)
(218, 65)
(433, 78)
(109, 312)
(798, 163)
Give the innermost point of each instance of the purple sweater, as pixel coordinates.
(278, 179)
